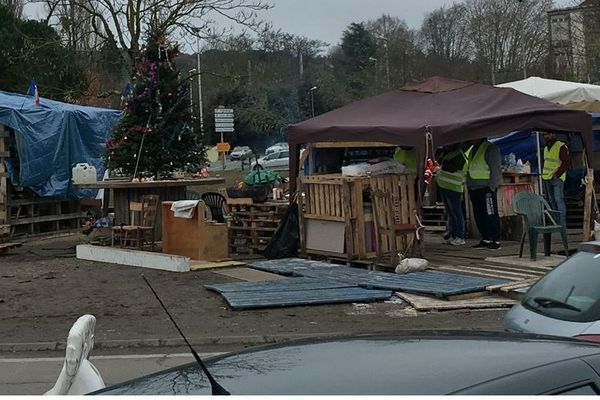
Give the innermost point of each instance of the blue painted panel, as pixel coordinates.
(246, 300)
(289, 284)
(288, 266)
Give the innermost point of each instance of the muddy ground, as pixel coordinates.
(44, 289)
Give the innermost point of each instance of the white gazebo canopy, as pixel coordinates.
(579, 96)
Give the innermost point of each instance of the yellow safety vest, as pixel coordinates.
(478, 167)
(408, 158)
(454, 181)
(552, 161)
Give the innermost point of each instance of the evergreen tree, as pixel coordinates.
(157, 126)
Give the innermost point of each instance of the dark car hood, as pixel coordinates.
(435, 364)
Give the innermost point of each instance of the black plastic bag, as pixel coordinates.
(286, 239)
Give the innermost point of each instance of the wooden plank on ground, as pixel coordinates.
(514, 285)
(135, 258)
(542, 261)
(201, 265)
(467, 270)
(248, 274)
(4, 247)
(426, 303)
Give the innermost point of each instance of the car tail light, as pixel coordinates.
(590, 338)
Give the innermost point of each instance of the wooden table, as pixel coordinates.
(125, 192)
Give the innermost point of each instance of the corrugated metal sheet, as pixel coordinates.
(264, 299)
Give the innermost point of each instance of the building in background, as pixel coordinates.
(575, 41)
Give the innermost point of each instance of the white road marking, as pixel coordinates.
(110, 357)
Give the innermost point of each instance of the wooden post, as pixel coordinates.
(588, 205)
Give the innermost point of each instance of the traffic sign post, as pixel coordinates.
(224, 123)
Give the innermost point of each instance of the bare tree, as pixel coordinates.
(14, 6)
(507, 35)
(122, 23)
(444, 34)
(396, 49)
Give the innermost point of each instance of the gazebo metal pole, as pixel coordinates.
(539, 160)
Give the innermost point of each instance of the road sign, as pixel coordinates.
(223, 110)
(224, 125)
(225, 120)
(223, 147)
(224, 115)
(224, 129)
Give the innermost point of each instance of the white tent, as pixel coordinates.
(580, 96)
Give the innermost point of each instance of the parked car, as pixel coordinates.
(277, 147)
(240, 153)
(279, 160)
(412, 363)
(566, 301)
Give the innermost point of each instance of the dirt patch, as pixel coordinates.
(44, 289)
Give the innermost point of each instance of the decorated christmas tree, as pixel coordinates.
(155, 136)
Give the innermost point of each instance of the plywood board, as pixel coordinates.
(249, 274)
(135, 258)
(325, 236)
(425, 303)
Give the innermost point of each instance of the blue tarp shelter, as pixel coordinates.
(51, 138)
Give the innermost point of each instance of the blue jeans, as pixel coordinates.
(554, 193)
(455, 224)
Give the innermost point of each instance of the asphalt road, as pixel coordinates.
(37, 375)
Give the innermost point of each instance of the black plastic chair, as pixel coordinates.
(215, 202)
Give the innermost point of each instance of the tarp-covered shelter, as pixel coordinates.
(452, 111)
(575, 95)
(51, 138)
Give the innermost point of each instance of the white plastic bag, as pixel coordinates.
(406, 265)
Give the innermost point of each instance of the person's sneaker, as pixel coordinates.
(482, 244)
(494, 246)
(446, 237)
(449, 240)
(457, 242)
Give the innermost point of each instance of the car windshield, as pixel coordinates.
(570, 292)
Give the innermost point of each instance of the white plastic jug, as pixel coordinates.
(83, 173)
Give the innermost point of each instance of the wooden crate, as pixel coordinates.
(251, 226)
(346, 200)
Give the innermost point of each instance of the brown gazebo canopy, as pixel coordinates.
(453, 111)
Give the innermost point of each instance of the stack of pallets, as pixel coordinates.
(251, 226)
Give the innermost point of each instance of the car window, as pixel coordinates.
(570, 292)
(284, 154)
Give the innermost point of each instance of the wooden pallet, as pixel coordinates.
(252, 226)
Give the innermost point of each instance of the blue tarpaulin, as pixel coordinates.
(51, 138)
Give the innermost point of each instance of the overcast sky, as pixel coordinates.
(327, 19)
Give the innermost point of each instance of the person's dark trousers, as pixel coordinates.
(554, 191)
(455, 224)
(485, 211)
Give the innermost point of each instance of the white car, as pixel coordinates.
(277, 147)
(240, 153)
(279, 160)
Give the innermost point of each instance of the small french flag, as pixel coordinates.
(33, 91)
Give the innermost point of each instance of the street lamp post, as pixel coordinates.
(201, 113)
(312, 100)
(387, 59)
(192, 72)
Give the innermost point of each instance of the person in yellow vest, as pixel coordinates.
(556, 162)
(451, 180)
(483, 180)
(407, 156)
